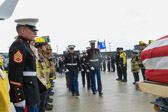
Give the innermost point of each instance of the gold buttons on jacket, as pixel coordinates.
(18, 94)
(18, 89)
(20, 99)
(31, 82)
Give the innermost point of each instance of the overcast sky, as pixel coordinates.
(122, 22)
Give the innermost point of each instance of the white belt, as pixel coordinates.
(95, 60)
(27, 73)
(71, 64)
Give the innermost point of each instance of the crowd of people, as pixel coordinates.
(32, 69)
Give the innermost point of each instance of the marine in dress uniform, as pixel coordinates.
(83, 67)
(117, 57)
(88, 74)
(25, 87)
(94, 61)
(72, 67)
(66, 74)
(123, 64)
(134, 66)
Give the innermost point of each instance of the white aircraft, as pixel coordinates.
(6, 8)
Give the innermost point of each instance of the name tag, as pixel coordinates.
(2, 74)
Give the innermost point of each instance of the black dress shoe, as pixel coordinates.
(50, 105)
(94, 92)
(100, 94)
(118, 79)
(48, 108)
(77, 94)
(50, 100)
(51, 93)
(124, 80)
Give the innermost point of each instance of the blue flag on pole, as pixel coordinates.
(102, 45)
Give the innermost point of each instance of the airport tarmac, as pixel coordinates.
(117, 96)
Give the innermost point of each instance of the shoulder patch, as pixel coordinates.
(18, 57)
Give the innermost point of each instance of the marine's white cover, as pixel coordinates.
(27, 21)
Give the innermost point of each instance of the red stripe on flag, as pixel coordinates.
(154, 53)
(26, 109)
(157, 75)
(163, 37)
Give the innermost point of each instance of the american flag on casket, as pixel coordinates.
(155, 60)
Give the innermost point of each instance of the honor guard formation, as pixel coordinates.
(31, 71)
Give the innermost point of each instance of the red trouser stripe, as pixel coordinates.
(101, 86)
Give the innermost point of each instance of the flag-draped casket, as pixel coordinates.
(155, 60)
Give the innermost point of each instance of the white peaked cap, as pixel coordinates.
(27, 21)
(92, 41)
(71, 46)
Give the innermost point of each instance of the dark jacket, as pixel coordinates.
(24, 84)
(60, 63)
(72, 63)
(94, 58)
(83, 63)
(117, 58)
(112, 60)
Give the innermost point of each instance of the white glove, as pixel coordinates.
(67, 70)
(92, 68)
(21, 104)
(82, 70)
(88, 70)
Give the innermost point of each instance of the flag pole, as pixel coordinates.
(105, 46)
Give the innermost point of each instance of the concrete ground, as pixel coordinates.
(118, 96)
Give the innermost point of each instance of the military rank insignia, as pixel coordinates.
(18, 57)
